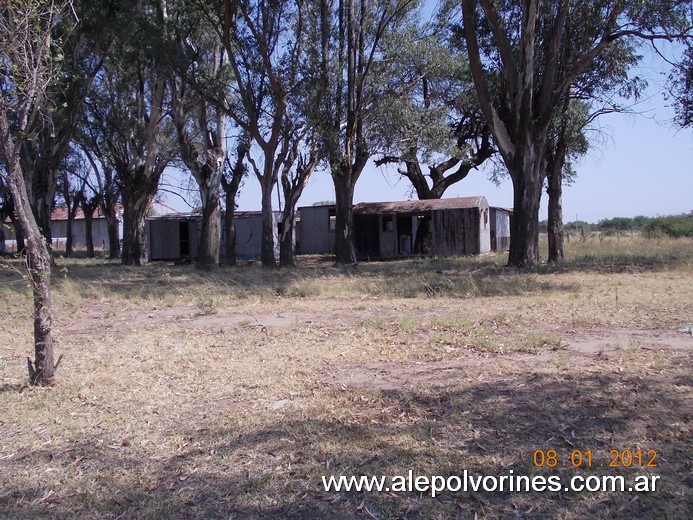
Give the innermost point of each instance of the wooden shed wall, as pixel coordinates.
(456, 232)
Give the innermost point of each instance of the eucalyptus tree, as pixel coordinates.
(89, 202)
(265, 45)
(231, 181)
(70, 187)
(435, 129)
(201, 130)
(79, 188)
(127, 109)
(567, 141)
(299, 166)
(29, 50)
(101, 180)
(84, 38)
(198, 69)
(353, 79)
(541, 49)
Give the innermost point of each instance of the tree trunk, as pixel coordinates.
(267, 247)
(527, 187)
(42, 369)
(556, 154)
(109, 214)
(18, 235)
(210, 239)
(555, 217)
(134, 230)
(70, 239)
(344, 250)
(44, 186)
(230, 230)
(88, 232)
(230, 187)
(286, 241)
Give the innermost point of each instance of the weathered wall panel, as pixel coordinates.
(500, 229)
(316, 236)
(164, 239)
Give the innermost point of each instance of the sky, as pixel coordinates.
(639, 165)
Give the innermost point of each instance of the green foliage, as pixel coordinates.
(681, 90)
(675, 226)
(618, 223)
(576, 225)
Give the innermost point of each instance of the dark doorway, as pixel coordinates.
(405, 241)
(367, 236)
(184, 235)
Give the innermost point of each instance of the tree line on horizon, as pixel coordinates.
(100, 97)
(674, 226)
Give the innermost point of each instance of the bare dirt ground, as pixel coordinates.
(188, 395)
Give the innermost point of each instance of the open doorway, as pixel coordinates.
(405, 239)
(184, 237)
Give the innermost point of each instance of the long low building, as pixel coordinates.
(436, 227)
(177, 236)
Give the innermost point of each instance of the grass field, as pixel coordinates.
(185, 394)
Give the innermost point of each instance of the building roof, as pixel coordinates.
(60, 213)
(198, 216)
(155, 209)
(417, 206)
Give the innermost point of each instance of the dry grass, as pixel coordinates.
(193, 395)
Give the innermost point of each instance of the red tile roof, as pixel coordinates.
(60, 213)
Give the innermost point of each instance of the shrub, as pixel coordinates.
(674, 226)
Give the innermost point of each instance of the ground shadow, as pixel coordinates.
(487, 428)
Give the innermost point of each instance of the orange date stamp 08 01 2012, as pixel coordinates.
(627, 458)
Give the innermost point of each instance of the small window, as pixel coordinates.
(332, 219)
(388, 224)
(485, 217)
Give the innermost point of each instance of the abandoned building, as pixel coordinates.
(58, 224)
(177, 236)
(437, 227)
